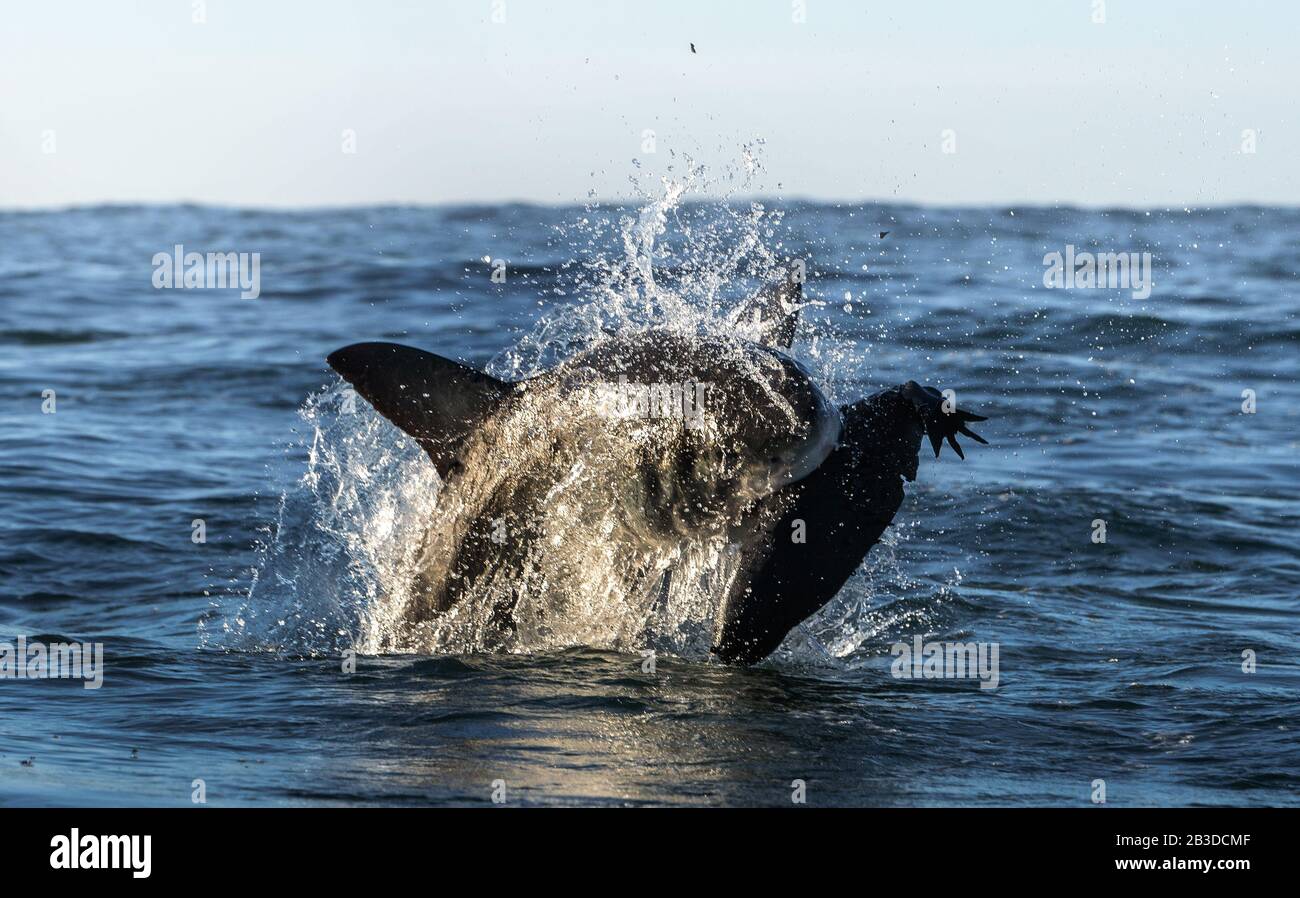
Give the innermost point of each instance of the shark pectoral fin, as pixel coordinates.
(435, 400)
(775, 309)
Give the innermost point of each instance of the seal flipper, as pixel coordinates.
(941, 423)
(844, 506)
(775, 309)
(435, 400)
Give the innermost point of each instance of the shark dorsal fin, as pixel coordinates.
(435, 400)
(775, 311)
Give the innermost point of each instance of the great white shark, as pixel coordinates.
(573, 495)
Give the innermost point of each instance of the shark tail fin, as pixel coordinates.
(435, 400)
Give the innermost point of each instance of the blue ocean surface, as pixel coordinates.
(1161, 661)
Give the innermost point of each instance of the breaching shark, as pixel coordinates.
(572, 496)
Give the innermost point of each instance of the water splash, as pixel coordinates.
(880, 604)
(684, 266)
(340, 567)
(337, 567)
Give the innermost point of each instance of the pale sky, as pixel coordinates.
(140, 104)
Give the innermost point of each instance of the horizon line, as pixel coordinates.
(637, 202)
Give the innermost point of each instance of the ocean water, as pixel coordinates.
(1123, 661)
